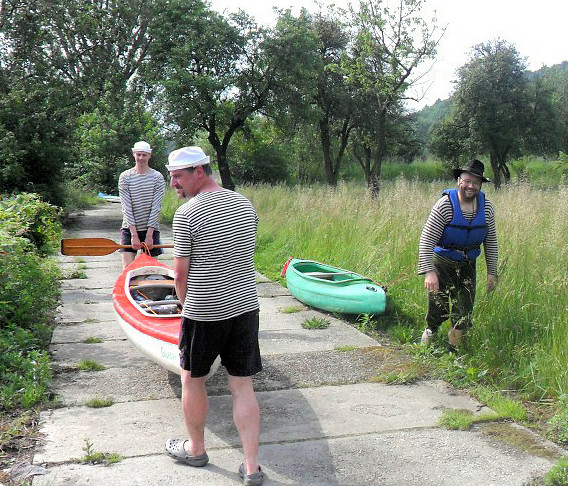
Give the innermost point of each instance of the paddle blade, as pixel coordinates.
(88, 246)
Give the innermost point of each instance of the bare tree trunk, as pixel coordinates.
(224, 171)
(365, 162)
(505, 170)
(375, 186)
(493, 160)
(379, 153)
(325, 139)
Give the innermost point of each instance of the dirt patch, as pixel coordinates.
(520, 438)
(19, 435)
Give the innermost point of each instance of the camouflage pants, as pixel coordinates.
(456, 295)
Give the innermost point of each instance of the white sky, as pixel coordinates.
(536, 28)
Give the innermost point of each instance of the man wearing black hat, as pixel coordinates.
(459, 223)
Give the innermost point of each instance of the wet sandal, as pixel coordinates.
(175, 448)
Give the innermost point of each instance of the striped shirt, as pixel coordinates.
(141, 197)
(217, 232)
(440, 217)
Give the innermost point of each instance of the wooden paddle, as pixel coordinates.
(94, 246)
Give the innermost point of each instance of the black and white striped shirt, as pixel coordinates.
(217, 231)
(141, 197)
(440, 217)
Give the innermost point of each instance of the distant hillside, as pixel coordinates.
(429, 116)
(547, 70)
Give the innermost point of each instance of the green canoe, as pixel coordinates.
(333, 289)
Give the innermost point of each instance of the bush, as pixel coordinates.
(558, 475)
(558, 424)
(27, 217)
(28, 289)
(29, 229)
(258, 163)
(25, 375)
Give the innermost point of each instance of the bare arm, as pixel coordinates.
(181, 269)
(136, 245)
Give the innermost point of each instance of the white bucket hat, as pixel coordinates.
(186, 157)
(142, 147)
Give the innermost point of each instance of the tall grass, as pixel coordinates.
(520, 330)
(520, 334)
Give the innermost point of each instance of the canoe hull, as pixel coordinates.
(333, 289)
(160, 352)
(109, 198)
(155, 337)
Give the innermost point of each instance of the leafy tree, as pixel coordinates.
(104, 139)
(388, 47)
(492, 101)
(292, 48)
(97, 46)
(333, 98)
(450, 141)
(211, 74)
(311, 103)
(543, 135)
(34, 118)
(60, 60)
(260, 153)
(550, 86)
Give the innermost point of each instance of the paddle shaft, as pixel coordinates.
(94, 246)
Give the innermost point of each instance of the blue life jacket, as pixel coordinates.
(462, 239)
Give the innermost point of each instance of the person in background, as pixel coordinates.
(141, 190)
(459, 223)
(214, 241)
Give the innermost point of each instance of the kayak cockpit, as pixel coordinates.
(329, 274)
(151, 290)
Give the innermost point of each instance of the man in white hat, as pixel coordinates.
(141, 191)
(214, 241)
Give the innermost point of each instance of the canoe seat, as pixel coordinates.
(152, 283)
(159, 302)
(326, 275)
(154, 292)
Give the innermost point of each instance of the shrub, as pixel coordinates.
(558, 475)
(27, 216)
(29, 229)
(558, 424)
(28, 290)
(25, 374)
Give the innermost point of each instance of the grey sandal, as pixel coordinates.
(175, 448)
(254, 479)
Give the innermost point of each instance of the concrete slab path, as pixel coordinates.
(324, 420)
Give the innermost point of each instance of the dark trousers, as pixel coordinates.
(456, 296)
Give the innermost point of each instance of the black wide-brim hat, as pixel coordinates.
(474, 167)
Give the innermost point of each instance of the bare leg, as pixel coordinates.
(195, 406)
(127, 258)
(246, 415)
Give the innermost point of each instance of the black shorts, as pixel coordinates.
(126, 239)
(235, 340)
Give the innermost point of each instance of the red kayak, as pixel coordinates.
(148, 310)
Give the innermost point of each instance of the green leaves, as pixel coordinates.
(28, 296)
(492, 101)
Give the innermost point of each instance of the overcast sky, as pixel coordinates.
(536, 28)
